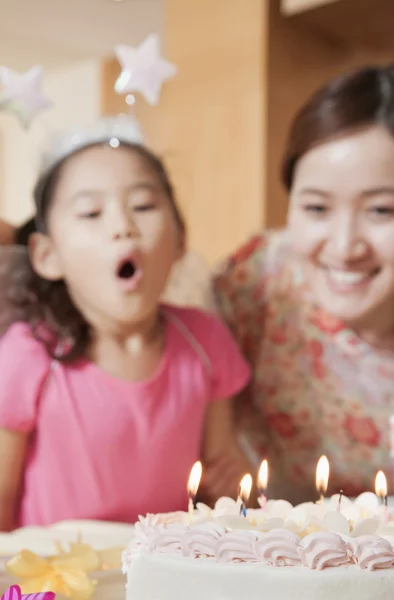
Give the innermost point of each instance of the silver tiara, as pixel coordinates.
(123, 129)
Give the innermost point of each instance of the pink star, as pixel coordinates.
(143, 69)
(22, 93)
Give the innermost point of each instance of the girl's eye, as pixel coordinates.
(382, 211)
(92, 214)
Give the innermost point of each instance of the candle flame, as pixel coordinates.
(262, 478)
(381, 485)
(245, 488)
(194, 479)
(322, 474)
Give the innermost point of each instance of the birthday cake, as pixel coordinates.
(276, 553)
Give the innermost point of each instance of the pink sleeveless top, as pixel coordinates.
(105, 448)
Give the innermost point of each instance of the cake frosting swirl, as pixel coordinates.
(279, 548)
(202, 540)
(238, 546)
(372, 552)
(276, 548)
(322, 550)
(152, 537)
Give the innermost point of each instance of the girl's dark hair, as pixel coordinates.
(48, 303)
(24, 231)
(358, 99)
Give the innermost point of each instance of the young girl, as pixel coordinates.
(108, 397)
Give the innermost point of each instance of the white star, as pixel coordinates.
(22, 93)
(143, 69)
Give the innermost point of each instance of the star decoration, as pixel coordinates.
(143, 69)
(22, 93)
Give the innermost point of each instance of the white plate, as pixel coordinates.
(42, 540)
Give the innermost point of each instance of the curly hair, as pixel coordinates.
(47, 305)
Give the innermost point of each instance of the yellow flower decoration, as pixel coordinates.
(65, 573)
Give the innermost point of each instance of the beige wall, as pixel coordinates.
(74, 91)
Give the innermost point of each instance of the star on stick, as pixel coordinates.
(22, 93)
(144, 70)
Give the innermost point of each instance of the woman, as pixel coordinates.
(313, 306)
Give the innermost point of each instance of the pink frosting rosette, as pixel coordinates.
(279, 548)
(372, 552)
(238, 546)
(322, 550)
(201, 541)
(169, 539)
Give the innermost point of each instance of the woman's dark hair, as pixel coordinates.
(48, 303)
(358, 99)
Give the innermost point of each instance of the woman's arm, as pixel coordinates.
(12, 452)
(224, 463)
(7, 233)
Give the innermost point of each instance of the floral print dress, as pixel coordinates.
(317, 388)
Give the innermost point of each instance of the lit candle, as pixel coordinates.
(262, 482)
(381, 492)
(193, 483)
(245, 488)
(322, 475)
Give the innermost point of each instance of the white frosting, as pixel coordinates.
(323, 550)
(279, 548)
(170, 538)
(166, 577)
(303, 553)
(201, 541)
(372, 552)
(237, 546)
(151, 537)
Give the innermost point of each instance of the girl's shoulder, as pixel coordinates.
(214, 346)
(203, 325)
(19, 346)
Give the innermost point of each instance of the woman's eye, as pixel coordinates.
(144, 207)
(317, 209)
